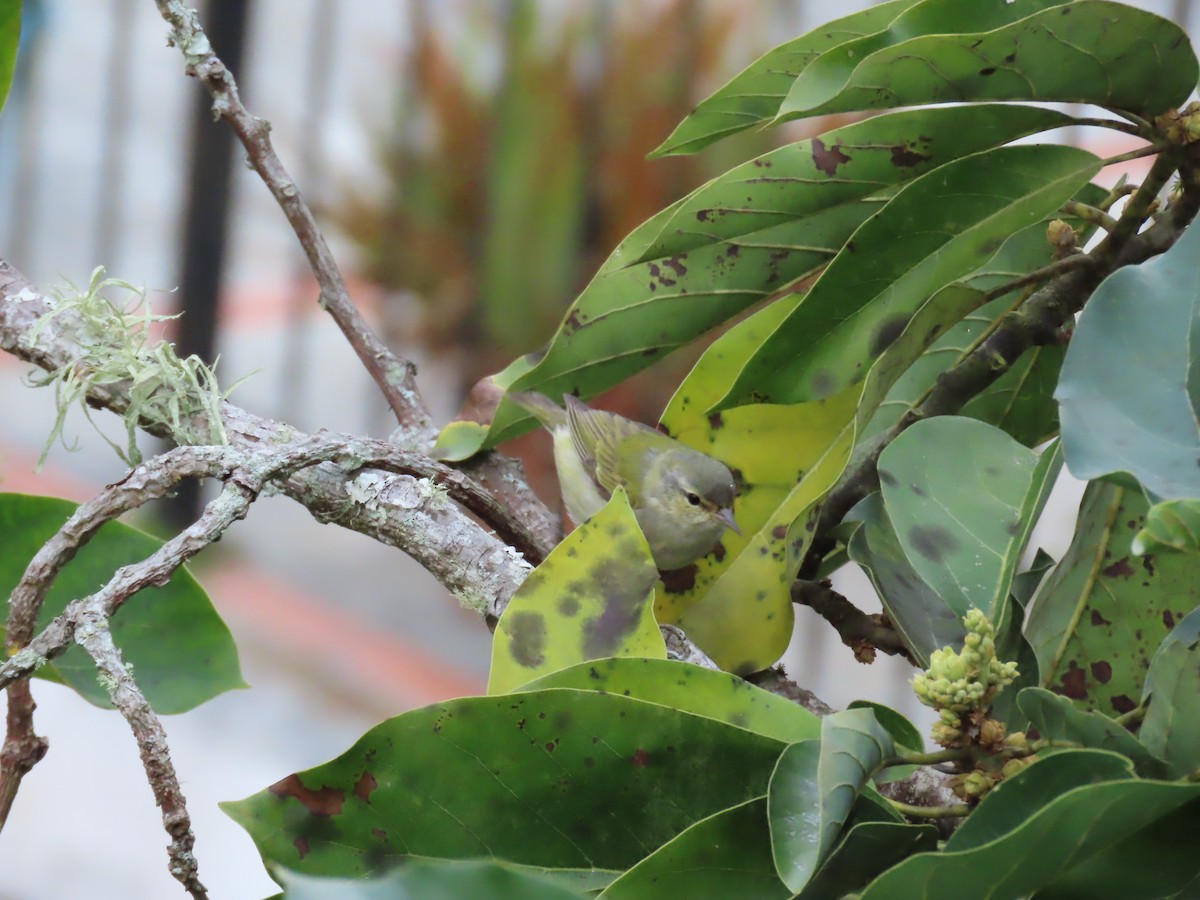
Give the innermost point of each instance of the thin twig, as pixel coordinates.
(954, 811)
(1043, 274)
(1140, 153)
(93, 635)
(1114, 124)
(1092, 214)
(23, 748)
(395, 377)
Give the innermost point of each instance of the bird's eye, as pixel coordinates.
(693, 499)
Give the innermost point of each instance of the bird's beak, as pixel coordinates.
(730, 521)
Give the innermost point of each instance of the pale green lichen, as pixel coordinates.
(181, 395)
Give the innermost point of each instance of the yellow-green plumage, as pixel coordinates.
(683, 499)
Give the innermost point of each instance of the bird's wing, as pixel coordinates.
(597, 436)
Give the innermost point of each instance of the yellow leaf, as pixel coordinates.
(591, 598)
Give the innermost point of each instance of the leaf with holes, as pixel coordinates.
(181, 652)
(890, 267)
(815, 787)
(590, 598)
(559, 779)
(1171, 729)
(691, 689)
(1130, 387)
(965, 544)
(726, 855)
(1097, 620)
(753, 96)
(943, 51)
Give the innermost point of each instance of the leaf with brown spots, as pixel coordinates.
(945, 52)
(590, 599)
(1171, 728)
(1097, 620)
(702, 692)
(464, 780)
(965, 497)
(891, 269)
(753, 96)
(743, 237)
(1021, 401)
(1057, 718)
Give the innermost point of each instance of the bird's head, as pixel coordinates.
(698, 492)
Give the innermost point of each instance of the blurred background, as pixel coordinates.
(472, 161)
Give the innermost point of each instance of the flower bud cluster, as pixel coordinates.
(959, 682)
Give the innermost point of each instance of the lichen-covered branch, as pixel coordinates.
(476, 566)
(93, 635)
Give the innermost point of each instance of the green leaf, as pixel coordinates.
(557, 779)
(1015, 800)
(830, 74)
(726, 855)
(753, 96)
(1021, 401)
(1170, 525)
(1129, 390)
(889, 268)
(1171, 729)
(1056, 718)
(920, 616)
(740, 238)
(1026, 583)
(591, 598)
(10, 37)
(868, 849)
(1157, 862)
(1106, 54)
(905, 736)
(181, 652)
(428, 881)
(815, 787)
(709, 600)
(836, 169)
(1036, 842)
(965, 544)
(691, 689)
(1012, 646)
(1100, 615)
(763, 443)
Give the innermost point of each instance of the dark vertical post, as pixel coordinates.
(206, 221)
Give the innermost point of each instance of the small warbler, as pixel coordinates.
(682, 498)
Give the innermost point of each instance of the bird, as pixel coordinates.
(682, 498)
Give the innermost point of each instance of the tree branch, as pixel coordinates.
(404, 512)
(861, 632)
(93, 635)
(395, 377)
(1038, 321)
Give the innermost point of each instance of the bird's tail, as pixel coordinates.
(540, 407)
